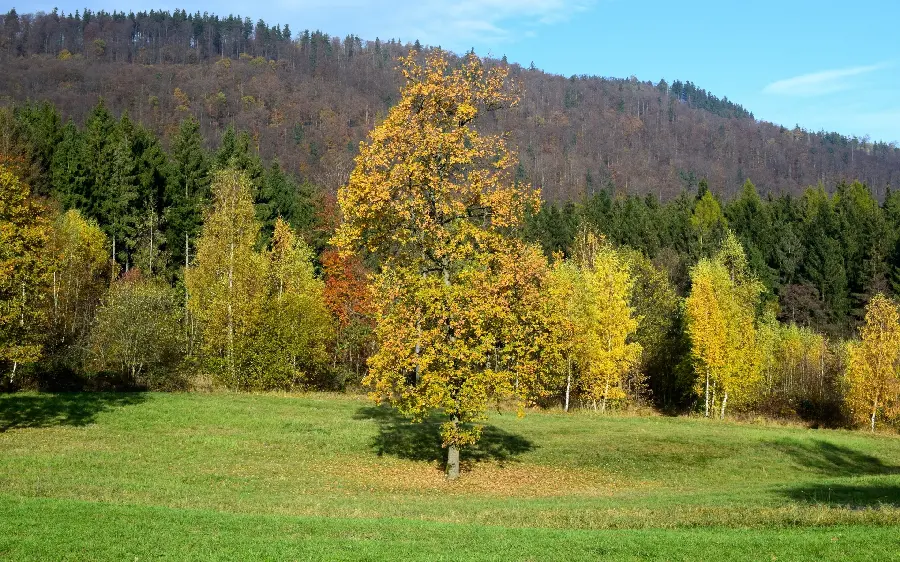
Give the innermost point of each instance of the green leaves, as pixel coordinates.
(262, 315)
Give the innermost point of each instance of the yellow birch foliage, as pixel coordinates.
(25, 268)
(227, 280)
(706, 322)
(298, 325)
(721, 323)
(262, 315)
(873, 381)
(565, 335)
(433, 198)
(81, 276)
(605, 321)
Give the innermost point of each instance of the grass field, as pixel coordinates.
(233, 476)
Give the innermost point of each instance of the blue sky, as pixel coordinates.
(821, 64)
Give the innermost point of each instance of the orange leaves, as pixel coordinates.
(425, 169)
(431, 197)
(347, 293)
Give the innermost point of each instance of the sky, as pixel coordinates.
(820, 64)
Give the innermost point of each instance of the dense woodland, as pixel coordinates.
(308, 99)
(186, 229)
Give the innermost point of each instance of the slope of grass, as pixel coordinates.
(274, 476)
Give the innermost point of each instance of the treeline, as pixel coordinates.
(820, 256)
(120, 276)
(308, 99)
(133, 237)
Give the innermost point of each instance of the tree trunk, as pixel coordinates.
(707, 392)
(872, 417)
(605, 394)
(568, 384)
(150, 265)
(187, 320)
(453, 456)
(724, 401)
(231, 312)
(452, 462)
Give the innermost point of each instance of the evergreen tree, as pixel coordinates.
(186, 192)
(68, 170)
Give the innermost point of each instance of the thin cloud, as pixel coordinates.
(820, 83)
(455, 25)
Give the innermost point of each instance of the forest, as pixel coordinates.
(308, 99)
(269, 294)
(436, 276)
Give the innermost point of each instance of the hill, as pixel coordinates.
(309, 99)
(113, 476)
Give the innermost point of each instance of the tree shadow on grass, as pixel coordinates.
(837, 461)
(399, 437)
(853, 496)
(19, 411)
(833, 460)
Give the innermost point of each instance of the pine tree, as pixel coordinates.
(68, 170)
(187, 192)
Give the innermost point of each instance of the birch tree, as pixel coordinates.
(225, 284)
(606, 322)
(873, 378)
(25, 270)
(721, 324)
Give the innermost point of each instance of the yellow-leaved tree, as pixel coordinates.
(873, 379)
(605, 321)
(434, 200)
(25, 268)
(262, 315)
(563, 312)
(227, 278)
(721, 323)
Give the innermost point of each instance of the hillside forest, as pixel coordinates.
(236, 210)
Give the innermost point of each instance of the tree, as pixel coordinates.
(25, 268)
(707, 322)
(137, 332)
(563, 309)
(225, 283)
(297, 326)
(721, 310)
(432, 198)
(68, 169)
(262, 315)
(657, 308)
(187, 191)
(605, 320)
(348, 297)
(707, 219)
(81, 275)
(873, 370)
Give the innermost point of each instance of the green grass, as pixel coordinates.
(225, 476)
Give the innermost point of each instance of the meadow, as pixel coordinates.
(326, 476)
